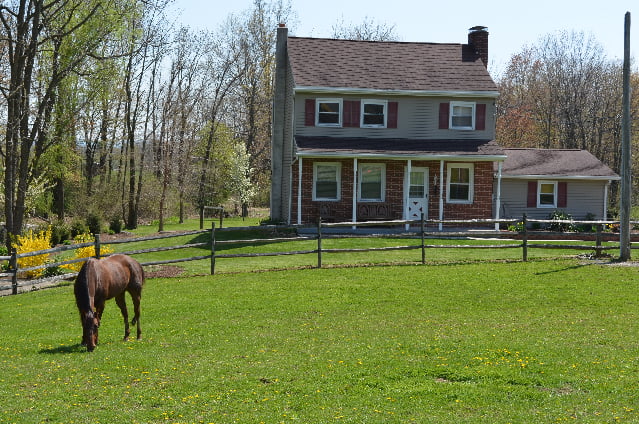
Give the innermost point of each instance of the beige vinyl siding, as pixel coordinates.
(418, 118)
(584, 197)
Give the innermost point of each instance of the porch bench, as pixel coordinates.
(327, 213)
(374, 212)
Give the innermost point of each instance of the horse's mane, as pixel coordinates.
(81, 287)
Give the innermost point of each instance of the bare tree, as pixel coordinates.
(368, 30)
(176, 141)
(561, 93)
(45, 42)
(220, 65)
(146, 46)
(251, 101)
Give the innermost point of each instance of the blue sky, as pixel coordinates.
(512, 25)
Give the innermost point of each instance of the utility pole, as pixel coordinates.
(626, 178)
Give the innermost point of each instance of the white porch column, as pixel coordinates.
(498, 200)
(442, 188)
(409, 168)
(354, 218)
(299, 191)
(605, 207)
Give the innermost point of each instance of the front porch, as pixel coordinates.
(366, 189)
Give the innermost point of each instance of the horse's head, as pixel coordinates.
(90, 325)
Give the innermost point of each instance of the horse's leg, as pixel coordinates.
(84, 340)
(136, 295)
(119, 299)
(99, 308)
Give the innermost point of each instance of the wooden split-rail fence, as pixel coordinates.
(419, 230)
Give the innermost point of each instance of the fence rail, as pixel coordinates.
(524, 235)
(320, 235)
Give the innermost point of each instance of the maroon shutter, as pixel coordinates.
(309, 113)
(562, 194)
(391, 121)
(480, 117)
(532, 194)
(350, 115)
(444, 110)
(355, 113)
(346, 113)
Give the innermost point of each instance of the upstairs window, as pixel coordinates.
(326, 181)
(462, 116)
(329, 112)
(459, 187)
(350, 113)
(374, 113)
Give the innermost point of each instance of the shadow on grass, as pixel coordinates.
(76, 348)
(567, 268)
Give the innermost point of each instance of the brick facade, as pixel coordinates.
(393, 207)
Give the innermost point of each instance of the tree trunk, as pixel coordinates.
(58, 198)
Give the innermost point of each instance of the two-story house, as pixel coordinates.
(383, 130)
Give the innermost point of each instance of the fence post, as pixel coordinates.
(319, 242)
(97, 246)
(221, 215)
(598, 241)
(423, 244)
(525, 238)
(213, 248)
(13, 263)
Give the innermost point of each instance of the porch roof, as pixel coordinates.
(398, 148)
(527, 163)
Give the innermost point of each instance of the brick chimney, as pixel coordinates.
(478, 39)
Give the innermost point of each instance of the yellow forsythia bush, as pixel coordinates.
(85, 252)
(31, 242)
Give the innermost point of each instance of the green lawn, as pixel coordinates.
(492, 342)
(190, 224)
(434, 255)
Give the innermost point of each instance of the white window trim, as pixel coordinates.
(359, 182)
(338, 165)
(374, 102)
(554, 194)
(340, 113)
(461, 104)
(471, 182)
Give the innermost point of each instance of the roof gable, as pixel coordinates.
(554, 163)
(387, 66)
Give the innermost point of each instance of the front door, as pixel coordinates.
(416, 193)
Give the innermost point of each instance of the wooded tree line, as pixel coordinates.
(563, 92)
(108, 108)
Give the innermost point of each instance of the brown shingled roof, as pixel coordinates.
(395, 66)
(352, 147)
(554, 163)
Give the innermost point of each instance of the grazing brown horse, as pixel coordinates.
(101, 280)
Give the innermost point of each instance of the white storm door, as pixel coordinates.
(416, 185)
